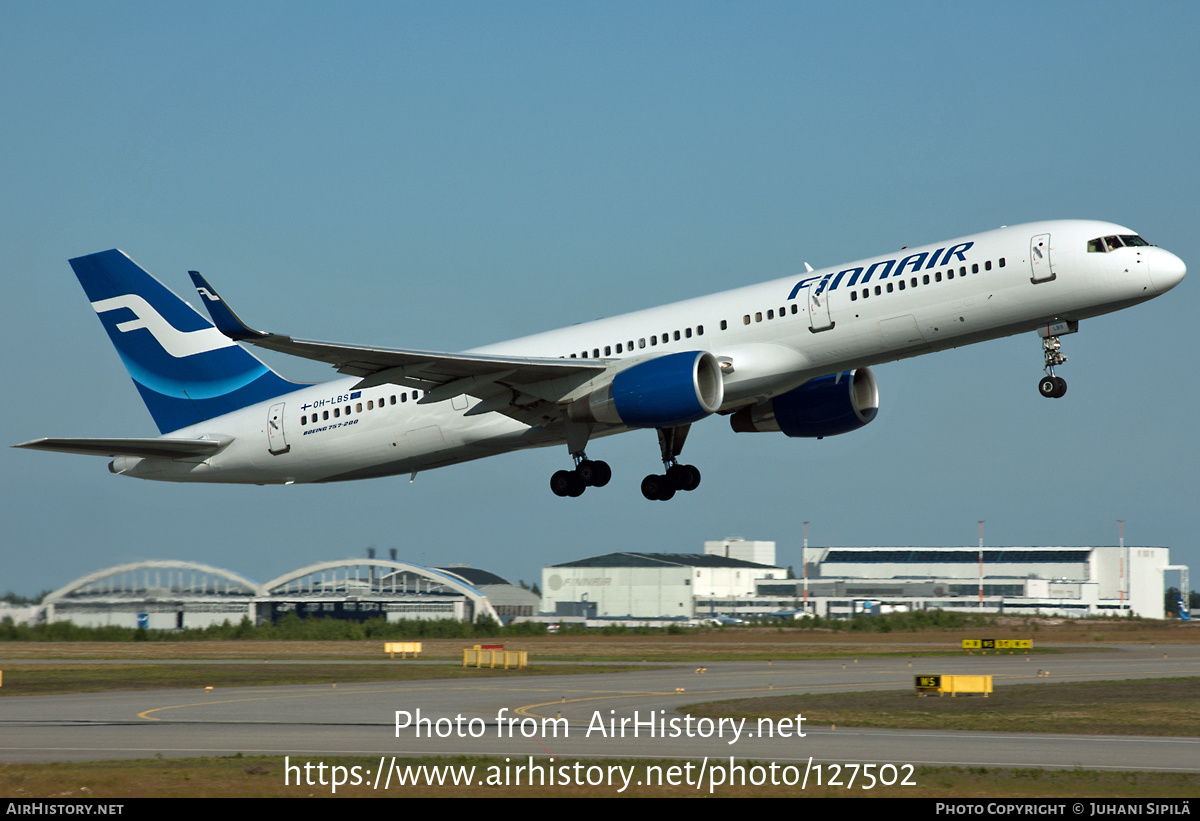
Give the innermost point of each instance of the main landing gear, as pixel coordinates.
(1051, 386)
(586, 474)
(662, 487)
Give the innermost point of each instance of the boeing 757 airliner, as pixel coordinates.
(791, 356)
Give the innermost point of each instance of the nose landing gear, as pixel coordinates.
(1051, 386)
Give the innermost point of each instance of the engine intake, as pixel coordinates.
(670, 390)
(825, 406)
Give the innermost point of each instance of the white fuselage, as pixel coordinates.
(770, 338)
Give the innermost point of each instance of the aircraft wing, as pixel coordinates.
(500, 381)
(169, 448)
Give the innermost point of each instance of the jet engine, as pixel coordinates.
(670, 390)
(825, 406)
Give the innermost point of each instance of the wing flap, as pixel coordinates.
(169, 448)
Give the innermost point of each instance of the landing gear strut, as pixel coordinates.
(661, 487)
(1051, 386)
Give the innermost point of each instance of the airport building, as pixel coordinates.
(657, 585)
(1061, 581)
(741, 579)
(168, 595)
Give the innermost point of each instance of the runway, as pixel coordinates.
(515, 717)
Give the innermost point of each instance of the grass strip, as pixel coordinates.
(1157, 706)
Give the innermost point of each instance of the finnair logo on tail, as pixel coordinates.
(175, 342)
(209, 295)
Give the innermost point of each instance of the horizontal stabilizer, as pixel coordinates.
(168, 448)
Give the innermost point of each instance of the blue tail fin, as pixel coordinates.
(185, 369)
(1184, 613)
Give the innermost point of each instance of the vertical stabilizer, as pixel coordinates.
(184, 368)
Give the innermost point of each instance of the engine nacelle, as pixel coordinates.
(825, 406)
(670, 390)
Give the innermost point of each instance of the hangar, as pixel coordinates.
(165, 595)
(657, 585)
(159, 595)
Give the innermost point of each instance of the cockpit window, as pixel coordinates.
(1102, 245)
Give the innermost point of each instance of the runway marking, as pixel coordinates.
(598, 695)
(145, 714)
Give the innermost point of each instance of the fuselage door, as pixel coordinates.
(816, 297)
(276, 440)
(1041, 265)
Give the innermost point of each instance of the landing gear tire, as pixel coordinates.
(562, 482)
(657, 487)
(1052, 387)
(684, 477)
(594, 474)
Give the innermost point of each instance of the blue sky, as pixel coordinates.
(443, 176)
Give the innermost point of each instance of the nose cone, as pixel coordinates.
(1166, 270)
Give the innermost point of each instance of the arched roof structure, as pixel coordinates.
(155, 578)
(374, 577)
